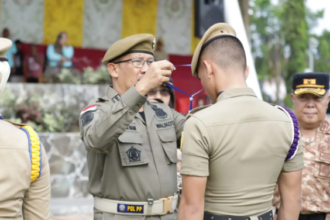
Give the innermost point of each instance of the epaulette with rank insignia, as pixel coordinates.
(193, 111)
(324, 127)
(295, 128)
(35, 150)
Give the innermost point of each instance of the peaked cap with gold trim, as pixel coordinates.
(214, 32)
(313, 83)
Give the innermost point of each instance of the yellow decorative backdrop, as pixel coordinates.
(194, 40)
(63, 15)
(98, 23)
(139, 16)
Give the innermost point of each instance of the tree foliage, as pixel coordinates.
(322, 63)
(286, 25)
(294, 27)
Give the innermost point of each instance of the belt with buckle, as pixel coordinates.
(151, 207)
(266, 216)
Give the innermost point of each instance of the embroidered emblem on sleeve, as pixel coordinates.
(90, 108)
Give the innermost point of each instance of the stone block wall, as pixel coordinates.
(69, 174)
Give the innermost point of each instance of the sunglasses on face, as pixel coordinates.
(163, 92)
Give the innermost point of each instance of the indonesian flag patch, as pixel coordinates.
(89, 109)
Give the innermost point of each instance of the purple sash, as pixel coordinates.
(295, 127)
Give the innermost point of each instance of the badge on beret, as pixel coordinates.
(313, 83)
(153, 44)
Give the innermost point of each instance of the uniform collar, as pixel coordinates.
(231, 93)
(111, 92)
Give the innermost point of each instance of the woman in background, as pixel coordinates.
(59, 55)
(33, 64)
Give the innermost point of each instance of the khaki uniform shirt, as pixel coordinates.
(17, 195)
(240, 144)
(315, 187)
(130, 159)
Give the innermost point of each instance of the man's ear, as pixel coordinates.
(209, 69)
(112, 69)
(247, 71)
(292, 97)
(328, 99)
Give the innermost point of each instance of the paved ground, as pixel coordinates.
(81, 209)
(73, 217)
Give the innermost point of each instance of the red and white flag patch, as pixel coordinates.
(89, 108)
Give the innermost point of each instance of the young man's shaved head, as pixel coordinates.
(227, 53)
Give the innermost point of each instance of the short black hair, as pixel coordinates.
(227, 52)
(18, 42)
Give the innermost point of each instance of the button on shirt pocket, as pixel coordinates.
(168, 140)
(324, 165)
(131, 150)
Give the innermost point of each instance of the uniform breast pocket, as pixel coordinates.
(131, 150)
(168, 140)
(324, 166)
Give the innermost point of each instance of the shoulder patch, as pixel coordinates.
(88, 109)
(324, 126)
(35, 151)
(87, 118)
(295, 129)
(160, 113)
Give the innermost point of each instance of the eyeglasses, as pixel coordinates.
(139, 63)
(163, 92)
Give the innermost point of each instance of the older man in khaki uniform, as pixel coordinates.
(24, 176)
(235, 150)
(131, 143)
(310, 101)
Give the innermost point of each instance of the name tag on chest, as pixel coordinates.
(164, 125)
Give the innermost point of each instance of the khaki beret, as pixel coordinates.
(5, 45)
(139, 43)
(214, 32)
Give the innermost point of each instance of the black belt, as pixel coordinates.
(315, 216)
(210, 216)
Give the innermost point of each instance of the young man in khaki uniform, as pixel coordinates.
(24, 176)
(235, 150)
(132, 143)
(310, 99)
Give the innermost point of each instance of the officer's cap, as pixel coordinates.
(5, 45)
(139, 43)
(214, 32)
(313, 83)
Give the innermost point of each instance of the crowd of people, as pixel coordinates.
(239, 158)
(29, 67)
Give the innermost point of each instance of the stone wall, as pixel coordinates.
(52, 107)
(69, 174)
